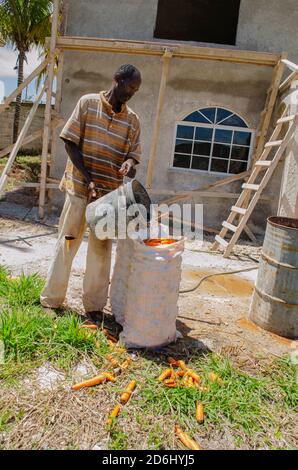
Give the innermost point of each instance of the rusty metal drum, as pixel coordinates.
(274, 304)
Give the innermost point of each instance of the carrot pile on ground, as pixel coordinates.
(178, 374)
(183, 376)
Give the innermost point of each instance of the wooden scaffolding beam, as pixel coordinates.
(19, 141)
(266, 115)
(23, 85)
(158, 48)
(47, 116)
(26, 140)
(155, 135)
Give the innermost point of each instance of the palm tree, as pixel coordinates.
(24, 24)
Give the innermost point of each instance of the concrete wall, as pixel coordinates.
(269, 25)
(6, 126)
(264, 25)
(118, 19)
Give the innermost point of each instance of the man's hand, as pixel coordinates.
(127, 166)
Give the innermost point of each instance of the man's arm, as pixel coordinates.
(77, 159)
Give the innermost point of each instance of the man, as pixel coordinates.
(102, 139)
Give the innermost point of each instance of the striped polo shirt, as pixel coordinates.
(105, 138)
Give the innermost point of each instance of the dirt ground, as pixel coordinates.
(215, 316)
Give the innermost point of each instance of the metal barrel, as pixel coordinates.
(132, 193)
(274, 304)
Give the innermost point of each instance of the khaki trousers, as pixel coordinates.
(72, 223)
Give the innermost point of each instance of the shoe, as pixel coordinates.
(95, 316)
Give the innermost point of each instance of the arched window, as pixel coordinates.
(215, 140)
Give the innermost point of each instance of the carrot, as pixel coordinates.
(180, 373)
(126, 395)
(185, 379)
(182, 365)
(115, 348)
(190, 381)
(109, 336)
(113, 415)
(186, 440)
(215, 378)
(110, 377)
(119, 349)
(125, 364)
(199, 413)
(165, 375)
(90, 383)
(112, 338)
(172, 361)
(113, 361)
(195, 377)
(169, 381)
(88, 327)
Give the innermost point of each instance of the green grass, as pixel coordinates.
(32, 337)
(257, 410)
(23, 291)
(25, 168)
(118, 438)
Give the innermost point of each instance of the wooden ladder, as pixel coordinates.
(266, 114)
(252, 190)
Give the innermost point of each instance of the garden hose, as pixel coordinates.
(192, 289)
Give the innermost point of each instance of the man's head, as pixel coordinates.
(127, 82)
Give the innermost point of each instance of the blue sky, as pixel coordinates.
(8, 76)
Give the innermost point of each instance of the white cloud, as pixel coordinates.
(8, 59)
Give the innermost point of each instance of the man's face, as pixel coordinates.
(126, 88)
